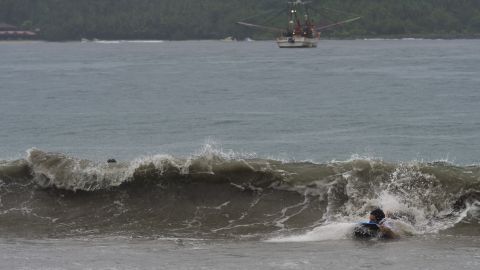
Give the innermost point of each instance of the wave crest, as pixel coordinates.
(214, 193)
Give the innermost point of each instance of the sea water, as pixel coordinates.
(238, 155)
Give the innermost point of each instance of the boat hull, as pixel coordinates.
(297, 42)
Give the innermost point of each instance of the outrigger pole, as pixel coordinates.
(263, 27)
(268, 28)
(294, 3)
(337, 23)
(300, 32)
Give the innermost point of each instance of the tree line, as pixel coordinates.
(213, 19)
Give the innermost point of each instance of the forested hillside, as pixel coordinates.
(212, 19)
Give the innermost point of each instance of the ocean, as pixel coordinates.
(238, 155)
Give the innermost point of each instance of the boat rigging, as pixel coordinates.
(301, 31)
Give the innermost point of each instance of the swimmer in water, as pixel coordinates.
(385, 225)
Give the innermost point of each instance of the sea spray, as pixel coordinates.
(333, 231)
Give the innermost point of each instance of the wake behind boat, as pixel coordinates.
(301, 31)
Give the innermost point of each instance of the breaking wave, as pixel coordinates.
(214, 194)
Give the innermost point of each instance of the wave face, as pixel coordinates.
(212, 195)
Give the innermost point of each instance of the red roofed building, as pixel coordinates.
(10, 32)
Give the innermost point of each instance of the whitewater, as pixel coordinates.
(214, 155)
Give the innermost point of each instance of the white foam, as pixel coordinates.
(145, 41)
(124, 41)
(107, 41)
(471, 209)
(212, 148)
(333, 231)
(54, 169)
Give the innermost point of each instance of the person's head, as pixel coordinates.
(377, 215)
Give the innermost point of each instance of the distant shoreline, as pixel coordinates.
(379, 37)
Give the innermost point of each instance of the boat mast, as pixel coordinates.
(292, 18)
(295, 24)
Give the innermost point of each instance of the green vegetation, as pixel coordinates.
(213, 19)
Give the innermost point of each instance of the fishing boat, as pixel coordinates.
(301, 31)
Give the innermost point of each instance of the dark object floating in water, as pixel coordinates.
(111, 160)
(366, 230)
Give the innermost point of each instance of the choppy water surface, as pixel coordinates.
(232, 154)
